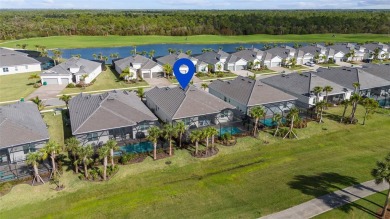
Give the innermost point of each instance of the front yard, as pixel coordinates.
(16, 86)
(297, 68)
(214, 76)
(248, 180)
(264, 71)
(327, 65)
(107, 80)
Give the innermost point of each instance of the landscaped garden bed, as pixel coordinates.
(208, 152)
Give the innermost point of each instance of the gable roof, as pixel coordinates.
(382, 71)
(373, 46)
(172, 58)
(145, 63)
(279, 51)
(347, 76)
(301, 84)
(211, 57)
(248, 54)
(21, 123)
(340, 48)
(250, 92)
(177, 103)
(114, 109)
(85, 67)
(10, 58)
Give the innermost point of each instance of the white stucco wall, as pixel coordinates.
(20, 69)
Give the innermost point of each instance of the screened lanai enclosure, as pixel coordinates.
(382, 95)
(271, 109)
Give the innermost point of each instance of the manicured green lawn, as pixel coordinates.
(112, 41)
(107, 80)
(264, 71)
(15, 86)
(327, 65)
(247, 180)
(381, 61)
(298, 67)
(214, 76)
(363, 208)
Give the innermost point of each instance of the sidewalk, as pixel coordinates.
(330, 201)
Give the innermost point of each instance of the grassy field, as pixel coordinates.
(114, 41)
(107, 80)
(15, 86)
(245, 181)
(363, 208)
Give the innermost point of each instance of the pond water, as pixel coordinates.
(161, 49)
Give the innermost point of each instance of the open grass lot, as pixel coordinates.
(363, 208)
(245, 181)
(15, 86)
(107, 80)
(113, 41)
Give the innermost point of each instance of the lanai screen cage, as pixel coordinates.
(271, 109)
(20, 170)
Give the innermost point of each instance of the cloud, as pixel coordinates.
(12, 1)
(48, 2)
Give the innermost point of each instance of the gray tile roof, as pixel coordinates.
(209, 57)
(21, 123)
(177, 103)
(250, 92)
(172, 58)
(373, 46)
(340, 47)
(347, 76)
(279, 51)
(145, 63)
(85, 67)
(301, 84)
(10, 58)
(114, 109)
(382, 71)
(248, 54)
(311, 49)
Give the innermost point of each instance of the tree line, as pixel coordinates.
(17, 24)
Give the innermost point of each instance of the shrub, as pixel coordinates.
(220, 74)
(201, 74)
(79, 85)
(93, 81)
(71, 85)
(283, 131)
(36, 85)
(227, 136)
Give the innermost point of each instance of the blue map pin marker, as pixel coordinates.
(184, 78)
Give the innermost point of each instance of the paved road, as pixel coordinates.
(330, 201)
(244, 73)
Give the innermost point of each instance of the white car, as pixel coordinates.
(311, 64)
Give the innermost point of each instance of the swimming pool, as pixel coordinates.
(140, 147)
(232, 130)
(270, 123)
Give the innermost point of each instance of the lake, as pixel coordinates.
(161, 49)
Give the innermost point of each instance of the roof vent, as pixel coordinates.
(243, 79)
(101, 97)
(167, 88)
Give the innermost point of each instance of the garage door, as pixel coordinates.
(146, 75)
(64, 80)
(275, 64)
(231, 68)
(240, 67)
(157, 74)
(50, 81)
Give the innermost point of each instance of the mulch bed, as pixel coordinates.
(163, 155)
(227, 143)
(379, 212)
(202, 154)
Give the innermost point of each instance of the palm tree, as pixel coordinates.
(57, 55)
(354, 100)
(382, 174)
(167, 69)
(170, 50)
(257, 64)
(352, 54)
(153, 135)
(77, 55)
(180, 129)
(292, 115)
(212, 131)
(52, 148)
(126, 74)
(94, 56)
(66, 99)
(206, 135)
(34, 76)
(210, 68)
(188, 52)
(37, 47)
(375, 54)
(44, 53)
(73, 146)
(327, 89)
(250, 65)
(38, 102)
(133, 51)
(17, 45)
(196, 136)
(369, 105)
(277, 119)
(345, 103)
(317, 90)
(204, 86)
(33, 159)
(85, 154)
(320, 109)
(356, 86)
(219, 67)
(151, 53)
(256, 113)
(141, 92)
(293, 62)
(104, 152)
(24, 46)
(112, 145)
(168, 133)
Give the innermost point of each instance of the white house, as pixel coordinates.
(72, 70)
(216, 59)
(253, 56)
(234, 63)
(14, 62)
(139, 66)
(172, 58)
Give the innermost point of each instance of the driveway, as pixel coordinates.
(159, 82)
(244, 73)
(346, 64)
(47, 92)
(280, 69)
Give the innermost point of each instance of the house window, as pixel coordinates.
(28, 148)
(5, 69)
(92, 136)
(16, 68)
(143, 127)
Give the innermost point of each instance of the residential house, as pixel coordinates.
(301, 85)
(253, 57)
(22, 130)
(371, 84)
(245, 93)
(140, 66)
(215, 59)
(118, 115)
(72, 70)
(343, 52)
(172, 58)
(369, 49)
(382, 71)
(314, 51)
(277, 56)
(195, 107)
(13, 62)
(234, 63)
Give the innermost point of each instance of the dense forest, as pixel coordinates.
(16, 24)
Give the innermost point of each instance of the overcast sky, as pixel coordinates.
(196, 4)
